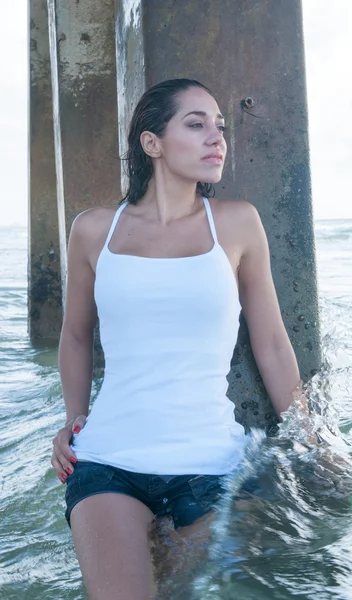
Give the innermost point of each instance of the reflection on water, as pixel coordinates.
(284, 529)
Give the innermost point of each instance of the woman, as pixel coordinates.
(168, 274)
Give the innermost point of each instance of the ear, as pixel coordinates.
(150, 144)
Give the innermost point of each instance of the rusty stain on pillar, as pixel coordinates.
(88, 106)
(242, 50)
(44, 289)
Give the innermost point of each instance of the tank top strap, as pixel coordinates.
(210, 219)
(114, 223)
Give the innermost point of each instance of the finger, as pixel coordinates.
(66, 459)
(58, 469)
(79, 423)
(62, 442)
(66, 468)
(63, 453)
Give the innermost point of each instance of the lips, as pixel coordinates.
(220, 156)
(213, 159)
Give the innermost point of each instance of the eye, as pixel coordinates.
(198, 125)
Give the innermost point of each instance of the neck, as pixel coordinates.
(168, 200)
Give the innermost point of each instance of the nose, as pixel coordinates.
(215, 138)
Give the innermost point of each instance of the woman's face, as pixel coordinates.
(193, 146)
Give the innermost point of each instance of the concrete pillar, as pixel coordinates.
(86, 142)
(88, 110)
(44, 293)
(250, 49)
(88, 106)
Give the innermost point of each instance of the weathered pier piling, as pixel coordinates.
(251, 54)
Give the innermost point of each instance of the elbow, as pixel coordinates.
(76, 335)
(272, 346)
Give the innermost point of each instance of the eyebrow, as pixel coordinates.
(201, 113)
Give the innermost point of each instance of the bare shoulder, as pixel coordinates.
(240, 210)
(94, 221)
(238, 220)
(89, 232)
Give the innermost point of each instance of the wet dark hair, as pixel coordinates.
(154, 110)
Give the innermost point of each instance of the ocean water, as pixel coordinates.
(292, 539)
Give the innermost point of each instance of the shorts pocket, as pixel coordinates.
(89, 477)
(207, 489)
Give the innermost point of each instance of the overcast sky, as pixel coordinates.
(328, 47)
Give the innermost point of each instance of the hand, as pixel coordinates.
(63, 458)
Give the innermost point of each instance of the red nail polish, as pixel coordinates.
(63, 475)
(73, 459)
(77, 429)
(69, 471)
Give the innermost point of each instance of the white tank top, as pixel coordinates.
(168, 329)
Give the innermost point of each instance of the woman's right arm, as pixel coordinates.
(76, 343)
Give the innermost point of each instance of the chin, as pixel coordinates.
(212, 179)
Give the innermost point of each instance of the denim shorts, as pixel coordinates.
(184, 498)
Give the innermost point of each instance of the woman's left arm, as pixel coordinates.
(270, 343)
